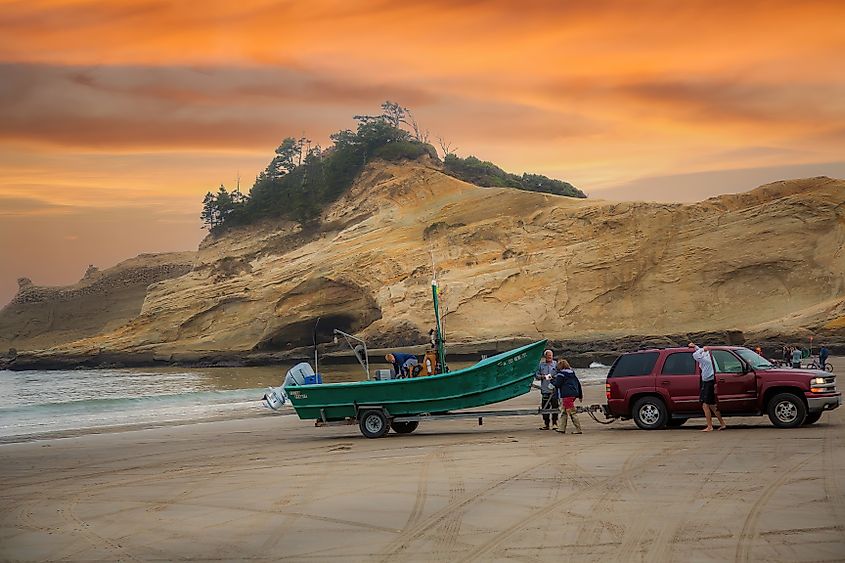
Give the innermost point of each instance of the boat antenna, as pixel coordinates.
(438, 337)
(316, 365)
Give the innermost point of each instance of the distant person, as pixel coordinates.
(796, 357)
(569, 389)
(403, 364)
(823, 355)
(758, 351)
(787, 355)
(708, 387)
(548, 394)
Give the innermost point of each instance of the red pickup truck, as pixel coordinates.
(660, 387)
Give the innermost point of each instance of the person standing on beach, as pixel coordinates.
(796, 358)
(569, 388)
(548, 394)
(708, 387)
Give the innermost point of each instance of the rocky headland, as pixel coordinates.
(594, 277)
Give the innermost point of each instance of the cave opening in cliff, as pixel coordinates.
(302, 333)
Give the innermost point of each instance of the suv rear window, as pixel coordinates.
(679, 363)
(634, 364)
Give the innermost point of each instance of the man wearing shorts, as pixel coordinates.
(708, 387)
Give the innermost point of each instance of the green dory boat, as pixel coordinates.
(379, 405)
(492, 380)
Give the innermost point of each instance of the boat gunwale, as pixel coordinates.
(439, 397)
(407, 380)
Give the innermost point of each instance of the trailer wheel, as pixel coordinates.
(405, 427)
(373, 424)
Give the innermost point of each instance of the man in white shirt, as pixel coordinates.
(708, 387)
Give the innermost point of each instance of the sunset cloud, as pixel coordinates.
(133, 103)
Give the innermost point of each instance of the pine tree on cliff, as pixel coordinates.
(209, 215)
(288, 156)
(216, 207)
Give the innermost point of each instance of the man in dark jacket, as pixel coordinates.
(823, 354)
(403, 364)
(569, 389)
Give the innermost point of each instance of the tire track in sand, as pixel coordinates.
(832, 492)
(432, 521)
(82, 527)
(589, 532)
(446, 535)
(749, 529)
(664, 541)
(422, 493)
(627, 470)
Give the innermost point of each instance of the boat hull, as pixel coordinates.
(495, 379)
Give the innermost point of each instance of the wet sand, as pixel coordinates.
(274, 487)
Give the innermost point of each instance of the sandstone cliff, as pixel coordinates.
(511, 263)
(41, 317)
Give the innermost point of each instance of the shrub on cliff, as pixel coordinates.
(487, 174)
(405, 150)
(301, 179)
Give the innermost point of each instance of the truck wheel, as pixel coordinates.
(373, 424)
(650, 413)
(813, 417)
(676, 422)
(405, 427)
(787, 410)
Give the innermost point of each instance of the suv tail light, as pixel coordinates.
(607, 390)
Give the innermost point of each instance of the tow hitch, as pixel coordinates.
(593, 409)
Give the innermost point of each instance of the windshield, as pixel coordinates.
(754, 360)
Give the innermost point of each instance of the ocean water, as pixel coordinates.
(36, 404)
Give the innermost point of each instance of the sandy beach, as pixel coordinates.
(274, 487)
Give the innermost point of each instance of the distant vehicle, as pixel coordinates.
(660, 387)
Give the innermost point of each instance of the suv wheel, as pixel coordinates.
(650, 413)
(787, 410)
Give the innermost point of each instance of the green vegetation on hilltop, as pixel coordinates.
(487, 174)
(302, 179)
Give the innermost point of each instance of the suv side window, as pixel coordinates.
(679, 363)
(634, 364)
(726, 362)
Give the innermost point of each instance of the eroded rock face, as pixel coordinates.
(510, 263)
(42, 317)
(335, 303)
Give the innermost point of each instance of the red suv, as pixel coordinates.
(659, 388)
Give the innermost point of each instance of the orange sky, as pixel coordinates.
(116, 117)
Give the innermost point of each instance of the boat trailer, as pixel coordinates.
(375, 421)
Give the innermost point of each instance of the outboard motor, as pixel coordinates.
(300, 374)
